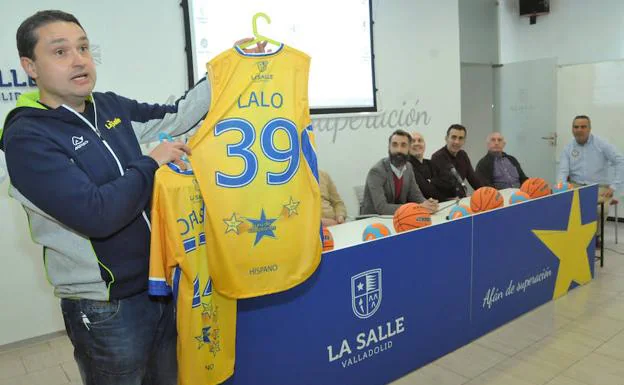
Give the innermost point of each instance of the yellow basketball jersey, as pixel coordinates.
(255, 161)
(206, 320)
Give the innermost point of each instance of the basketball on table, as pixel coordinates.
(518, 196)
(328, 240)
(535, 187)
(561, 187)
(485, 199)
(459, 211)
(375, 231)
(411, 216)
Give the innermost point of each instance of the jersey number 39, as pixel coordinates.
(243, 150)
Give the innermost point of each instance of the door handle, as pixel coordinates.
(552, 139)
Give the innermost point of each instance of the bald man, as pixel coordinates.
(423, 168)
(499, 169)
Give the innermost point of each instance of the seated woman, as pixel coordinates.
(333, 208)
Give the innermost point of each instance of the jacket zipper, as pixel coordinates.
(97, 132)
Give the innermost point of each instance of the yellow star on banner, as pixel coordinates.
(292, 207)
(570, 246)
(232, 224)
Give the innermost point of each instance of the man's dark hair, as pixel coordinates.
(400, 133)
(582, 117)
(458, 127)
(27, 32)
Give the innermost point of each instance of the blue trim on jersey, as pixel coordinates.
(178, 170)
(177, 272)
(240, 51)
(189, 245)
(309, 153)
(208, 288)
(202, 239)
(196, 297)
(158, 288)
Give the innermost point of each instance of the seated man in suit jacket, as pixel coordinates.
(498, 169)
(391, 183)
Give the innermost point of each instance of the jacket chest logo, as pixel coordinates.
(79, 142)
(110, 124)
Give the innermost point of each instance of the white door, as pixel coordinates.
(525, 110)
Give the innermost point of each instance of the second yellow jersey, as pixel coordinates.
(205, 320)
(255, 161)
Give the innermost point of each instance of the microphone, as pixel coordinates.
(458, 178)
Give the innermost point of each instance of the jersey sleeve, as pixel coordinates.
(159, 247)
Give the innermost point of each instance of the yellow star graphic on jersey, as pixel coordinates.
(570, 246)
(232, 224)
(291, 207)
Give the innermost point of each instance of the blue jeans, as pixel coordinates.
(131, 341)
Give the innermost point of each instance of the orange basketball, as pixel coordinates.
(459, 211)
(561, 187)
(535, 187)
(328, 240)
(486, 198)
(411, 216)
(518, 196)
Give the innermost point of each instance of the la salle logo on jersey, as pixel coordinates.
(366, 293)
(262, 76)
(262, 65)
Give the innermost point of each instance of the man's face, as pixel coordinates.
(62, 65)
(398, 150)
(417, 147)
(496, 143)
(580, 130)
(455, 140)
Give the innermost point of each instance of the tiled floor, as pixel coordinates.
(576, 340)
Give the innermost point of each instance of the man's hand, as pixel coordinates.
(608, 193)
(430, 204)
(167, 152)
(340, 219)
(328, 222)
(259, 48)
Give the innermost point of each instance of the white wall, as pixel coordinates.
(141, 54)
(478, 29)
(575, 31)
(418, 76)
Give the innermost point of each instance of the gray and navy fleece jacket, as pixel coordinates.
(86, 186)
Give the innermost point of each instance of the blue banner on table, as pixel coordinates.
(531, 253)
(370, 314)
(378, 310)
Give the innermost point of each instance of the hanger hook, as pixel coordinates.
(255, 22)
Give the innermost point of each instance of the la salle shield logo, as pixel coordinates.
(262, 65)
(366, 293)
